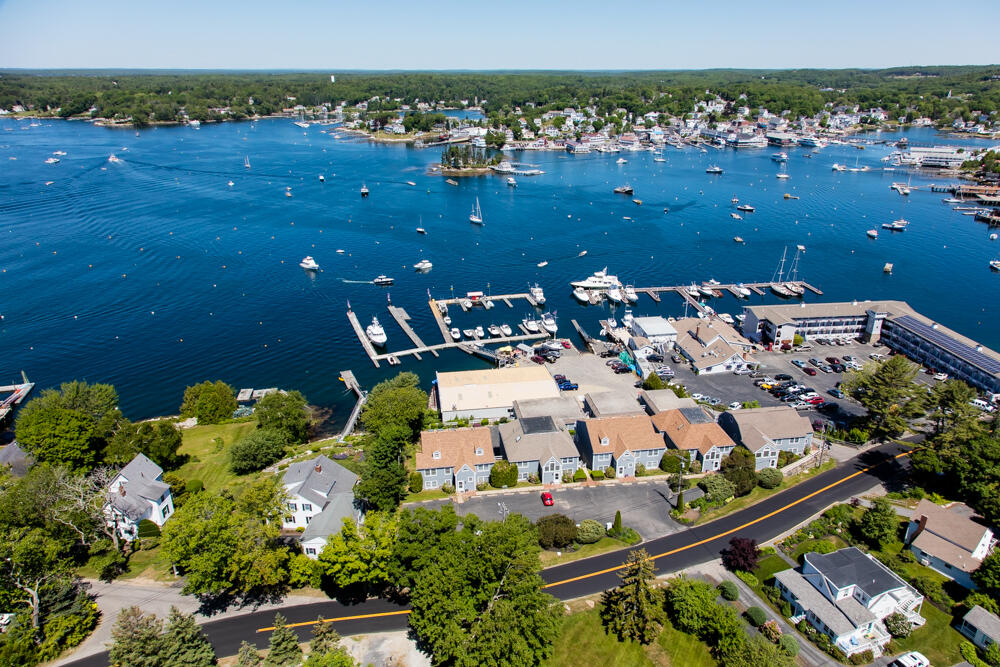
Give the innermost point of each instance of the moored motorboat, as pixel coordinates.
(456, 334)
(581, 295)
(692, 290)
(738, 239)
(628, 319)
(706, 290)
(872, 233)
(480, 333)
(714, 169)
(531, 325)
(511, 182)
(537, 293)
(896, 225)
(742, 291)
(421, 230)
(630, 294)
(747, 208)
(542, 264)
(469, 333)
(506, 330)
(614, 294)
(549, 323)
(736, 216)
(423, 265)
(383, 280)
(600, 280)
(995, 264)
(309, 264)
(624, 189)
(494, 330)
(375, 332)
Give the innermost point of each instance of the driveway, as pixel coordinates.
(644, 505)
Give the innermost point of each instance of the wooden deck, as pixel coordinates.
(365, 343)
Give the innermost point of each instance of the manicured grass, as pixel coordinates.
(603, 545)
(583, 641)
(768, 566)
(759, 494)
(936, 639)
(148, 564)
(209, 462)
(426, 494)
(810, 545)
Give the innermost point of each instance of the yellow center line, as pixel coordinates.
(403, 612)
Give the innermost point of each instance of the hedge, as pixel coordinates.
(416, 482)
(756, 616)
(789, 644)
(769, 478)
(728, 591)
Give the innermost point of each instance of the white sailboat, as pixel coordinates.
(476, 217)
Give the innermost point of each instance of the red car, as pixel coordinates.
(538, 359)
(547, 499)
(566, 344)
(809, 371)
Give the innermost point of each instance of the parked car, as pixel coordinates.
(832, 360)
(559, 378)
(742, 371)
(756, 374)
(826, 368)
(676, 358)
(876, 356)
(566, 344)
(837, 393)
(941, 377)
(715, 401)
(838, 368)
(655, 357)
(815, 362)
(801, 405)
(783, 377)
(912, 659)
(735, 405)
(538, 359)
(847, 357)
(547, 499)
(799, 363)
(809, 371)
(697, 397)
(568, 386)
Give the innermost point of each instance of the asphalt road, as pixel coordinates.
(674, 552)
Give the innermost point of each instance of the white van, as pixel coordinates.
(982, 405)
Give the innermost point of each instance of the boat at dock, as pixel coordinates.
(627, 319)
(383, 280)
(782, 291)
(692, 290)
(614, 294)
(537, 293)
(600, 280)
(705, 290)
(480, 333)
(506, 330)
(549, 323)
(951, 200)
(476, 217)
(624, 189)
(795, 288)
(742, 291)
(494, 330)
(581, 295)
(375, 332)
(456, 335)
(309, 264)
(629, 294)
(531, 325)
(469, 333)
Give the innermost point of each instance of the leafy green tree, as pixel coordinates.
(987, 575)
(184, 645)
(416, 483)
(248, 655)
(31, 561)
(889, 392)
(690, 603)
(257, 450)
(879, 524)
(970, 469)
(555, 531)
(954, 416)
(57, 435)
(652, 382)
(382, 488)
(479, 599)
(283, 649)
(419, 532)
(287, 412)
(632, 610)
(230, 545)
(503, 474)
(209, 402)
(738, 468)
(395, 408)
(157, 440)
(670, 463)
(137, 640)
(361, 555)
(325, 649)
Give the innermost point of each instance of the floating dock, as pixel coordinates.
(365, 343)
(401, 318)
(352, 384)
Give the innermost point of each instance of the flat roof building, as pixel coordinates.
(655, 329)
(612, 403)
(490, 393)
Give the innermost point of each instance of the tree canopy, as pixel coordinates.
(889, 393)
(209, 402)
(286, 412)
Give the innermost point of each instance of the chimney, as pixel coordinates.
(318, 468)
(921, 524)
(121, 489)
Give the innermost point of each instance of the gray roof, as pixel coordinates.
(318, 478)
(851, 566)
(538, 440)
(140, 485)
(563, 408)
(840, 618)
(16, 459)
(987, 623)
(611, 403)
(661, 400)
(331, 519)
(696, 415)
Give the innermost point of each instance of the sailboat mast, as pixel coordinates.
(776, 278)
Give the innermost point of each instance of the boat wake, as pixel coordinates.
(356, 282)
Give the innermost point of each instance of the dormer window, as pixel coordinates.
(605, 441)
(479, 451)
(436, 455)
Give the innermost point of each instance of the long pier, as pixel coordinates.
(352, 384)
(365, 343)
(401, 318)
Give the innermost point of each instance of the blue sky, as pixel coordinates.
(512, 34)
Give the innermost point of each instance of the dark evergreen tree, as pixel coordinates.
(283, 649)
(633, 610)
(184, 645)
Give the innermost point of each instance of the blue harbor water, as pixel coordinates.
(151, 273)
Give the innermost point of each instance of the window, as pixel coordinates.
(293, 507)
(289, 519)
(308, 519)
(479, 451)
(432, 484)
(306, 507)
(436, 455)
(310, 551)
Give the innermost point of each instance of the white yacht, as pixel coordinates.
(612, 322)
(780, 157)
(382, 280)
(476, 217)
(309, 264)
(537, 294)
(364, 190)
(621, 160)
(469, 333)
(375, 332)
(581, 295)
(531, 325)
(52, 160)
(872, 233)
(714, 169)
(456, 334)
(692, 290)
(839, 167)
(480, 333)
(447, 320)
(706, 290)
(230, 184)
(494, 330)
(743, 291)
(782, 176)
(896, 225)
(735, 216)
(615, 294)
(629, 294)
(549, 323)
(506, 330)
(511, 182)
(542, 265)
(467, 303)
(423, 265)
(322, 178)
(628, 319)
(600, 280)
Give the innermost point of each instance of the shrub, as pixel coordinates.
(533, 478)
(748, 579)
(194, 486)
(616, 527)
(597, 474)
(742, 554)
(670, 463)
(857, 436)
(772, 593)
(717, 488)
(579, 475)
(784, 458)
(640, 470)
(503, 474)
(416, 482)
(257, 450)
(756, 616)
(590, 531)
(482, 486)
(147, 529)
(210, 402)
(728, 591)
(769, 478)
(556, 531)
(652, 382)
(609, 472)
(897, 625)
(448, 489)
(484, 422)
(771, 631)
(789, 645)
(786, 609)
(630, 536)
(862, 658)
(567, 477)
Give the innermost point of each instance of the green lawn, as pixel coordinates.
(759, 494)
(209, 462)
(583, 641)
(810, 545)
(603, 545)
(936, 639)
(768, 566)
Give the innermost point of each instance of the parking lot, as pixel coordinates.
(644, 505)
(591, 373)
